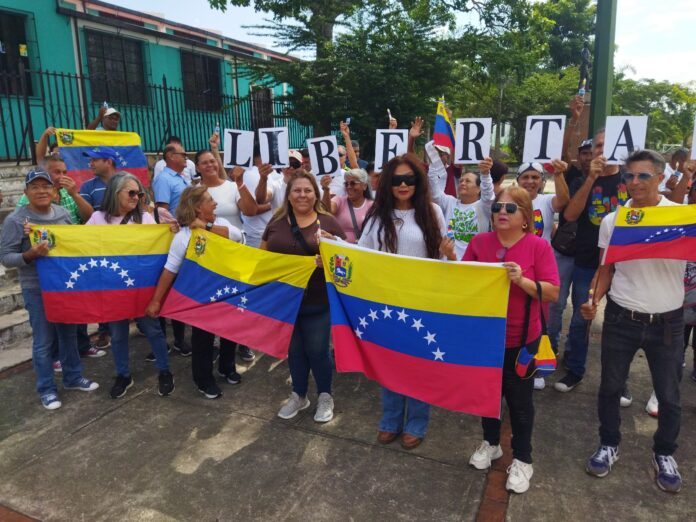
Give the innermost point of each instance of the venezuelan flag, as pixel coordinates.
(100, 273)
(427, 329)
(244, 294)
(73, 143)
(443, 133)
(664, 232)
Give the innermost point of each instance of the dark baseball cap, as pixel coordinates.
(585, 144)
(101, 153)
(33, 175)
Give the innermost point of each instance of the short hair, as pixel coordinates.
(305, 153)
(174, 139)
(681, 155)
(110, 204)
(53, 158)
(190, 198)
(475, 174)
(498, 170)
(524, 202)
(647, 155)
(355, 144)
(370, 167)
(168, 149)
(599, 131)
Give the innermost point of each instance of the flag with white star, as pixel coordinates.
(661, 232)
(428, 329)
(241, 293)
(100, 273)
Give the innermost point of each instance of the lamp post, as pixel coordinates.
(603, 66)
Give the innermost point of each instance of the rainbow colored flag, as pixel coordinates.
(72, 143)
(443, 134)
(663, 232)
(100, 273)
(244, 294)
(427, 329)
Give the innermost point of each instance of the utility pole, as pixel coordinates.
(603, 65)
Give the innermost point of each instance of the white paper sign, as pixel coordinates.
(693, 142)
(238, 148)
(472, 140)
(543, 138)
(323, 154)
(389, 143)
(623, 135)
(273, 143)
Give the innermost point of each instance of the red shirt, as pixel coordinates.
(538, 263)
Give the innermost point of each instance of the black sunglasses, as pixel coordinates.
(510, 208)
(627, 177)
(295, 164)
(409, 180)
(133, 193)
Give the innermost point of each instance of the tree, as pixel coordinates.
(573, 24)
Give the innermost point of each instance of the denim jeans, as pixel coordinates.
(44, 334)
(396, 407)
(309, 350)
(577, 333)
(663, 344)
(566, 264)
(178, 329)
(119, 343)
(202, 357)
(518, 393)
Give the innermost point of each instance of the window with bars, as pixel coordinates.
(201, 78)
(13, 51)
(261, 107)
(116, 70)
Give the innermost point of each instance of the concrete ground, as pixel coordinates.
(183, 457)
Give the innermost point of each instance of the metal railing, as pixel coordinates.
(32, 100)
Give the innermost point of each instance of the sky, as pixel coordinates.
(654, 39)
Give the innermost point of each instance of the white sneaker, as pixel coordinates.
(482, 457)
(539, 383)
(325, 406)
(652, 405)
(519, 474)
(294, 405)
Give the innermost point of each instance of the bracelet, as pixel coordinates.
(240, 187)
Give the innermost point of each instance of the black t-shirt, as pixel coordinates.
(570, 176)
(608, 192)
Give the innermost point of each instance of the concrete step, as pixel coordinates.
(10, 298)
(8, 277)
(14, 327)
(15, 353)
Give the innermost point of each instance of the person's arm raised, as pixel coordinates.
(577, 203)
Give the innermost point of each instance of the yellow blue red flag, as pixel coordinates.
(244, 294)
(427, 329)
(443, 134)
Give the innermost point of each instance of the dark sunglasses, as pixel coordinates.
(134, 193)
(627, 177)
(351, 183)
(510, 208)
(295, 164)
(409, 180)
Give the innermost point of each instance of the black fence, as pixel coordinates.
(32, 100)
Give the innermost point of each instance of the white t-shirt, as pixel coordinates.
(188, 172)
(227, 198)
(543, 215)
(651, 286)
(254, 226)
(177, 250)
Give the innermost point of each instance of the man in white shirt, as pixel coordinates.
(189, 171)
(644, 310)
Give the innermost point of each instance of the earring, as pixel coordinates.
(524, 226)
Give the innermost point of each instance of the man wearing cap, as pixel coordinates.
(107, 119)
(16, 251)
(102, 161)
(169, 185)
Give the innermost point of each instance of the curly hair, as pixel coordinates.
(382, 211)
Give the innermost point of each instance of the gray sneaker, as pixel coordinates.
(325, 406)
(294, 405)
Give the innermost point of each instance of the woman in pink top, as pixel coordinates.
(349, 210)
(529, 260)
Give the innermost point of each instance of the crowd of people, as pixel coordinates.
(429, 209)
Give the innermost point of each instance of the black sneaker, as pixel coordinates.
(120, 386)
(568, 382)
(245, 354)
(183, 348)
(233, 378)
(166, 383)
(150, 357)
(211, 392)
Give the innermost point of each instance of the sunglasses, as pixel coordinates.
(295, 164)
(627, 177)
(510, 208)
(409, 180)
(352, 183)
(134, 193)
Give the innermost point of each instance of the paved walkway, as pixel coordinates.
(144, 457)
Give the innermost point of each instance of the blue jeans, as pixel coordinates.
(566, 264)
(663, 344)
(309, 350)
(119, 343)
(44, 334)
(578, 337)
(396, 406)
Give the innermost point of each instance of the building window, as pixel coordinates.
(13, 51)
(201, 76)
(116, 69)
(261, 107)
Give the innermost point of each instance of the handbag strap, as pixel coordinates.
(295, 228)
(356, 228)
(527, 313)
(544, 331)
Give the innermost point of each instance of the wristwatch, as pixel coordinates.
(209, 226)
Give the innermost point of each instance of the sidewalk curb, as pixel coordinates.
(495, 498)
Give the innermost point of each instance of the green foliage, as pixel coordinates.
(572, 24)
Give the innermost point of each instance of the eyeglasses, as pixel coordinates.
(295, 164)
(134, 193)
(180, 153)
(409, 180)
(341, 154)
(628, 177)
(510, 208)
(352, 183)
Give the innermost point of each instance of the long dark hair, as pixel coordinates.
(382, 211)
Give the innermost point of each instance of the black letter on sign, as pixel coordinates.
(626, 133)
(234, 146)
(322, 158)
(273, 154)
(545, 124)
(466, 127)
(385, 149)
